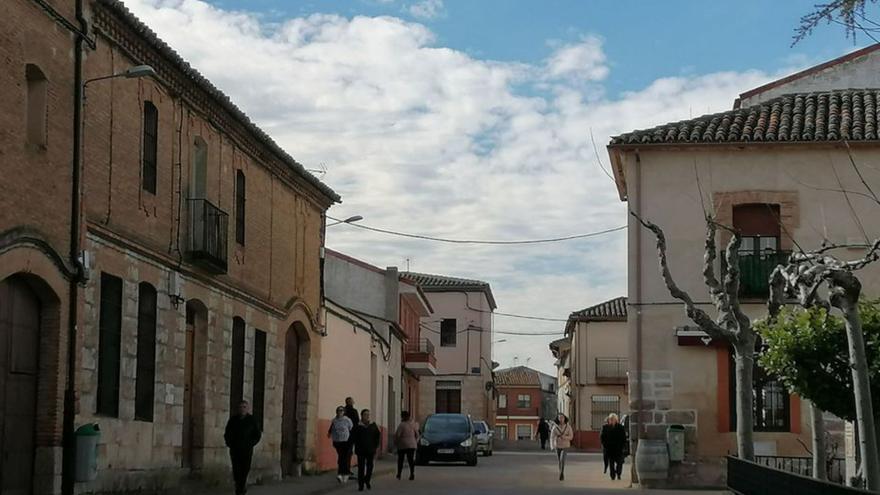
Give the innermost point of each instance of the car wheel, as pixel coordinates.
(490, 453)
(472, 461)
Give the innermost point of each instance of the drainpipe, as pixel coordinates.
(68, 439)
(638, 306)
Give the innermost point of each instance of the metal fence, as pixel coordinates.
(751, 478)
(600, 407)
(420, 346)
(836, 468)
(611, 370)
(207, 233)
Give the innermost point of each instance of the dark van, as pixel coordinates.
(447, 438)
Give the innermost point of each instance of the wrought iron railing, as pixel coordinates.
(208, 226)
(836, 468)
(611, 370)
(752, 478)
(755, 270)
(422, 346)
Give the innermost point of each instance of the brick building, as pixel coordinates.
(522, 400)
(189, 274)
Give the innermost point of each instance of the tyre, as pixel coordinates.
(490, 453)
(472, 461)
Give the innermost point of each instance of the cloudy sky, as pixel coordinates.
(473, 119)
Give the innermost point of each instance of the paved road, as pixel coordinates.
(513, 473)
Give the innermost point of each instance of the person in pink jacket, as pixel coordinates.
(406, 439)
(562, 436)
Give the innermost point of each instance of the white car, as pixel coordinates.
(484, 437)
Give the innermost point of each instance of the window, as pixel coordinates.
(523, 401)
(552, 388)
(601, 407)
(259, 375)
(109, 340)
(236, 377)
(523, 432)
(448, 333)
(145, 381)
(37, 105)
(150, 147)
(771, 401)
(502, 401)
(759, 252)
(239, 207)
(501, 432)
(199, 172)
(448, 397)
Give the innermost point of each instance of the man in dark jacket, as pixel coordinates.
(367, 440)
(543, 433)
(352, 414)
(242, 434)
(613, 439)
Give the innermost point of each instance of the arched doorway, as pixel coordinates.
(293, 423)
(195, 367)
(20, 318)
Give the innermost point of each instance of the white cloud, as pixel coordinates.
(423, 138)
(584, 60)
(426, 9)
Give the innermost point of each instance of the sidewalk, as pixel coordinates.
(319, 484)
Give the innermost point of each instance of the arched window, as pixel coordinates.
(145, 381)
(259, 375)
(199, 175)
(109, 345)
(236, 385)
(239, 206)
(37, 112)
(150, 145)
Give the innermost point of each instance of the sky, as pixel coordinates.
(485, 120)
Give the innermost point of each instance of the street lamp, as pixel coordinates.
(130, 73)
(356, 218)
(499, 341)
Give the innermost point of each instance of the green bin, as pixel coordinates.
(87, 437)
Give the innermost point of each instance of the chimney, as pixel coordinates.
(392, 294)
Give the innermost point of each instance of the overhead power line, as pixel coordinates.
(496, 332)
(478, 241)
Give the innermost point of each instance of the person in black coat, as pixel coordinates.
(543, 433)
(352, 414)
(613, 439)
(242, 434)
(367, 441)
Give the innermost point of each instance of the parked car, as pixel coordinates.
(447, 438)
(484, 437)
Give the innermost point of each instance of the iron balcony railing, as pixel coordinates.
(420, 346)
(755, 270)
(752, 478)
(611, 370)
(208, 226)
(835, 468)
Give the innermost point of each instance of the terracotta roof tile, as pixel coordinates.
(613, 310)
(517, 376)
(443, 283)
(824, 116)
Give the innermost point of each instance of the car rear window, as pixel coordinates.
(480, 427)
(437, 424)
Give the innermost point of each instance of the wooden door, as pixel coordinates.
(19, 360)
(187, 441)
(290, 426)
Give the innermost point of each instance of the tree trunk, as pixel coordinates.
(862, 389)
(820, 453)
(745, 368)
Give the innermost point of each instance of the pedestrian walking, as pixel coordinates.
(241, 435)
(340, 434)
(562, 435)
(367, 440)
(613, 439)
(605, 459)
(543, 433)
(406, 439)
(352, 414)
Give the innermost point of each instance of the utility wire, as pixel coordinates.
(495, 332)
(473, 241)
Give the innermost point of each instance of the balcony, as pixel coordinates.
(420, 359)
(755, 270)
(611, 371)
(208, 226)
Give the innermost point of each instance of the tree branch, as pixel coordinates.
(700, 317)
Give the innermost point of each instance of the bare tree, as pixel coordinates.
(731, 324)
(804, 277)
(848, 13)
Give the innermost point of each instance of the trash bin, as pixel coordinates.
(87, 452)
(675, 441)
